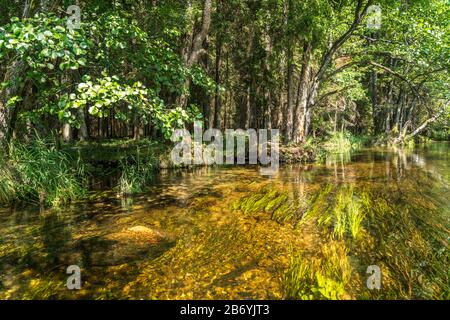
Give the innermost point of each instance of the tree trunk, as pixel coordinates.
(83, 131)
(289, 105)
(217, 102)
(359, 13)
(424, 124)
(301, 108)
(8, 115)
(66, 132)
(374, 99)
(194, 49)
(289, 111)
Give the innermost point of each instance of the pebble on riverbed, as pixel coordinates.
(123, 246)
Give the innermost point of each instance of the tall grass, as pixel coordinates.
(39, 172)
(344, 142)
(7, 188)
(136, 172)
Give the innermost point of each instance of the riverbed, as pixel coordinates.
(311, 231)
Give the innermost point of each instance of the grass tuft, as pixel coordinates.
(39, 172)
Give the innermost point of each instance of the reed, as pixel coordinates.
(40, 172)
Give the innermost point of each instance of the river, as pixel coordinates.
(311, 231)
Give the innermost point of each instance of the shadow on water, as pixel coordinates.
(308, 232)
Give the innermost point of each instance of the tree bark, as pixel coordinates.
(66, 132)
(359, 14)
(289, 105)
(289, 111)
(301, 108)
(83, 134)
(428, 121)
(217, 101)
(195, 49)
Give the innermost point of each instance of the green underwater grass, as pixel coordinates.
(360, 227)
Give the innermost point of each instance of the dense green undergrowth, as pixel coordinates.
(47, 172)
(136, 171)
(338, 142)
(40, 172)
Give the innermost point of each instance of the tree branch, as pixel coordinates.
(326, 95)
(398, 75)
(428, 121)
(360, 12)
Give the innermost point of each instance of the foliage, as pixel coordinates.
(136, 171)
(7, 183)
(48, 52)
(107, 53)
(344, 142)
(40, 173)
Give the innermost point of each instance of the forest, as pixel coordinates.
(92, 91)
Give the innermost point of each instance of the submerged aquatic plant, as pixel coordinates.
(340, 208)
(354, 218)
(414, 253)
(282, 206)
(7, 182)
(327, 277)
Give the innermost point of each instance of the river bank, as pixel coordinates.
(52, 173)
